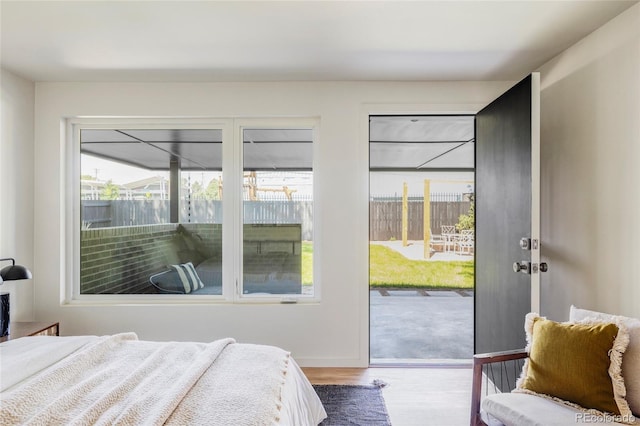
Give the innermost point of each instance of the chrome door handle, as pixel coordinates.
(525, 243)
(522, 266)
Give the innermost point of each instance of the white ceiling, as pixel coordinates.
(294, 40)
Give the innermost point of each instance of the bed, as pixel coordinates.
(120, 379)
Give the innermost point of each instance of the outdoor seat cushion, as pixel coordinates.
(518, 409)
(271, 286)
(210, 275)
(273, 273)
(168, 282)
(210, 272)
(209, 289)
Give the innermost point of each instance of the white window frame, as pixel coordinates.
(232, 171)
(274, 123)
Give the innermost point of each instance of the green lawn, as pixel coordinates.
(307, 263)
(388, 268)
(391, 269)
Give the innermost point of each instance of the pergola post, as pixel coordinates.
(174, 190)
(427, 218)
(405, 214)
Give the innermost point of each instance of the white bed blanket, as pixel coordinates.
(121, 380)
(22, 358)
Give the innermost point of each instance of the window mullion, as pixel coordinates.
(231, 212)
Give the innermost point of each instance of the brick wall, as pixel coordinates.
(121, 260)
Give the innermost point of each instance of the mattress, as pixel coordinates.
(31, 361)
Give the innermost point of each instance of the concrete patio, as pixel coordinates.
(409, 326)
(421, 326)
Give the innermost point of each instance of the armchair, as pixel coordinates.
(572, 366)
(482, 363)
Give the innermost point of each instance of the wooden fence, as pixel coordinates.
(115, 213)
(385, 217)
(385, 214)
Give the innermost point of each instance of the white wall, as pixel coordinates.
(333, 332)
(591, 172)
(16, 187)
(590, 195)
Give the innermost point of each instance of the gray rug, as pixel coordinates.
(353, 405)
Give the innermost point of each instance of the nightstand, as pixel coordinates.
(23, 329)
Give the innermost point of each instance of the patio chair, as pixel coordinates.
(437, 243)
(465, 242)
(449, 235)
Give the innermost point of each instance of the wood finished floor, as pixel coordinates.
(414, 396)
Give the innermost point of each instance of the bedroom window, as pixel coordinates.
(148, 218)
(150, 199)
(277, 194)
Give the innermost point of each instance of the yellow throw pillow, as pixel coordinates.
(576, 362)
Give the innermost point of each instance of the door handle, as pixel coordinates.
(522, 266)
(528, 268)
(529, 244)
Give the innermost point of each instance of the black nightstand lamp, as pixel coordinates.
(9, 273)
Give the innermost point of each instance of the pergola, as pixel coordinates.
(415, 143)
